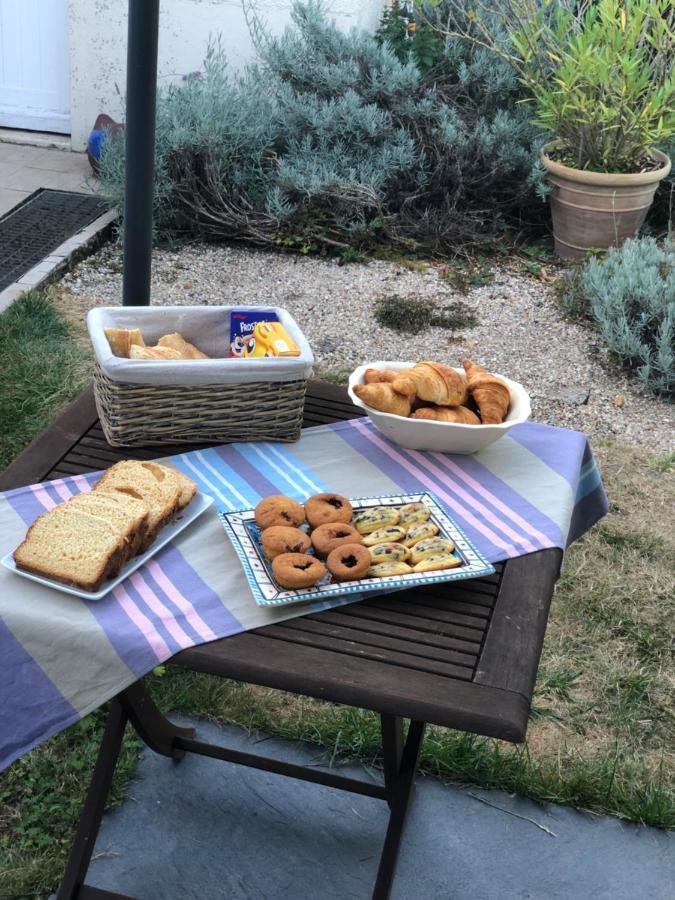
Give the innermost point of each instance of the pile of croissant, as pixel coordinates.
(430, 390)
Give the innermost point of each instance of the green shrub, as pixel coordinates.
(331, 140)
(631, 296)
(599, 73)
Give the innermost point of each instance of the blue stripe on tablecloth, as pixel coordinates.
(588, 510)
(258, 482)
(124, 635)
(188, 582)
(559, 448)
(272, 467)
(25, 503)
(32, 707)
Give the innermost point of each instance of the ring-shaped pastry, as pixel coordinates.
(279, 510)
(349, 562)
(322, 509)
(294, 571)
(281, 539)
(329, 536)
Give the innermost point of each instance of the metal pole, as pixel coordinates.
(140, 150)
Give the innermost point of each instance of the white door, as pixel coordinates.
(34, 64)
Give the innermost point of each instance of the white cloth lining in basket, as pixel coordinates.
(208, 327)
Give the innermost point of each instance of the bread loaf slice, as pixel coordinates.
(187, 486)
(128, 514)
(72, 546)
(136, 479)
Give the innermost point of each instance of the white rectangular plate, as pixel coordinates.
(195, 508)
(245, 536)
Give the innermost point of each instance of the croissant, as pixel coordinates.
(384, 398)
(185, 348)
(432, 382)
(377, 376)
(490, 393)
(461, 415)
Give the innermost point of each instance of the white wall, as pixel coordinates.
(98, 38)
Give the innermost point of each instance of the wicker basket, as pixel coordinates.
(218, 400)
(134, 415)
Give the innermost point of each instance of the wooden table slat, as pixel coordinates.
(297, 635)
(413, 608)
(378, 642)
(420, 623)
(352, 619)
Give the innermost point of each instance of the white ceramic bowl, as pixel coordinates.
(442, 437)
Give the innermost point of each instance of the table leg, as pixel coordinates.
(154, 728)
(92, 813)
(401, 795)
(392, 750)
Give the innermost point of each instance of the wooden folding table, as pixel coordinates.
(461, 655)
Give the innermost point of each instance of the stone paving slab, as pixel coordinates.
(210, 829)
(25, 169)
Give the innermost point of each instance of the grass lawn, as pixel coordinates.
(44, 365)
(601, 731)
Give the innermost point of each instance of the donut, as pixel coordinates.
(322, 509)
(329, 536)
(282, 539)
(297, 570)
(348, 562)
(279, 510)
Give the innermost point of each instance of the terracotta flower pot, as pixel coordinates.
(598, 209)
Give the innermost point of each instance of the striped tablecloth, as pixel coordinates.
(61, 657)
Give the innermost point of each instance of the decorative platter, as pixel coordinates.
(244, 533)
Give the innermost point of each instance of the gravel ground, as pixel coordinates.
(520, 332)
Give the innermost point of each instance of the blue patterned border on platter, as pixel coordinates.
(242, 530)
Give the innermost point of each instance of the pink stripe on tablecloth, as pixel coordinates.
(157, 643)
(433, 486)
(494, 519)
(81, 482)
(493, 499)
(183, 604)
(43, 497)
(62, 489)
(163, 613)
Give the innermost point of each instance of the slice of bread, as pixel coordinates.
(72, 546)
(187, 486)
(137, 479)
(128, 514)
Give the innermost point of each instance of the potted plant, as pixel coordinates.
(601, 76)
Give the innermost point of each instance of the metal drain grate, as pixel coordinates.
(35, 229)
